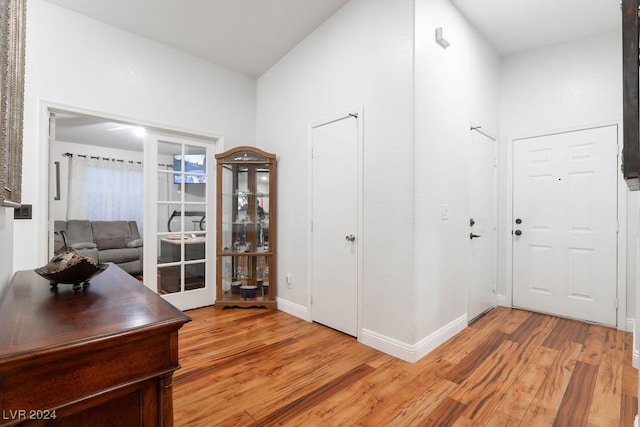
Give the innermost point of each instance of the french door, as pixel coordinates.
(179, 259)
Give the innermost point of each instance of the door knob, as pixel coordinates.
(350, 238)
(517, 232)
(518, 221)
(473, 236)
(472, 222)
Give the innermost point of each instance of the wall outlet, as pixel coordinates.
(288, 279)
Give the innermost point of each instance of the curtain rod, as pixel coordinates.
(108, 159)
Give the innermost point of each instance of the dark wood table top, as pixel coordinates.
(36, 318)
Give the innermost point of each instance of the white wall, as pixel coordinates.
(6, 246)
(416, 133)
(454, 87)
(561, 86)
(362, 56)
(565, 86)
(79, 62)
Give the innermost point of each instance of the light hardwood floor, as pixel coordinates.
(243, 367)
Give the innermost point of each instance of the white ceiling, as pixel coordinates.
(512, 26)
(250, 36)
(97, 131)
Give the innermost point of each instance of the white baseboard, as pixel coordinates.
(635, 360)
(401, 350)
(413, 352)
(501, 300)
(293, 309)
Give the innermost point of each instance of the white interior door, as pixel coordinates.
(179, 241)
(481, 279)
(334, 262)
(565, 224)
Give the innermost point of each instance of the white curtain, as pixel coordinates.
(105, 190)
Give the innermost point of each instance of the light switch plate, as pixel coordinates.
(444, 211)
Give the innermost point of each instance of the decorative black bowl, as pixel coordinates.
(248, 291)
(77, 274)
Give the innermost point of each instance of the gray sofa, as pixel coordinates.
(118, 242)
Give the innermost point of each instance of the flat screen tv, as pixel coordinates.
(193, 163)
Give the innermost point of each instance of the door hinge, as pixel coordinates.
(311, 226)
(617, 302)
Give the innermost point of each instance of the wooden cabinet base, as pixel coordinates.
(245, 303)
(104, 355)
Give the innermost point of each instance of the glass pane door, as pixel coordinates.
(183, 262)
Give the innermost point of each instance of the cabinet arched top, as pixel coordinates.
(246, 154)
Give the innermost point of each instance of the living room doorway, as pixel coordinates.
(97, 173)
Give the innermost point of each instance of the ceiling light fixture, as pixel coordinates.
(138, 131)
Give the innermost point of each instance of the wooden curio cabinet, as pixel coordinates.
(246, 228)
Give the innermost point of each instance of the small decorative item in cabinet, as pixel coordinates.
(246, 228)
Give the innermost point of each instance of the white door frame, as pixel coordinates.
(622, 322)
(358, 114)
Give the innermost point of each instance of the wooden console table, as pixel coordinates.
(102, 356)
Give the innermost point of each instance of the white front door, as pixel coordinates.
(565, 224)
(179, 240)
(335, 240)
(481, 274)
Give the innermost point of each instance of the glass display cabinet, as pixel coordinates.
(246, 228)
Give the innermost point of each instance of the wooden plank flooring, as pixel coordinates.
(243, 367)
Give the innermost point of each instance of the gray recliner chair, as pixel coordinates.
(118, 242)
